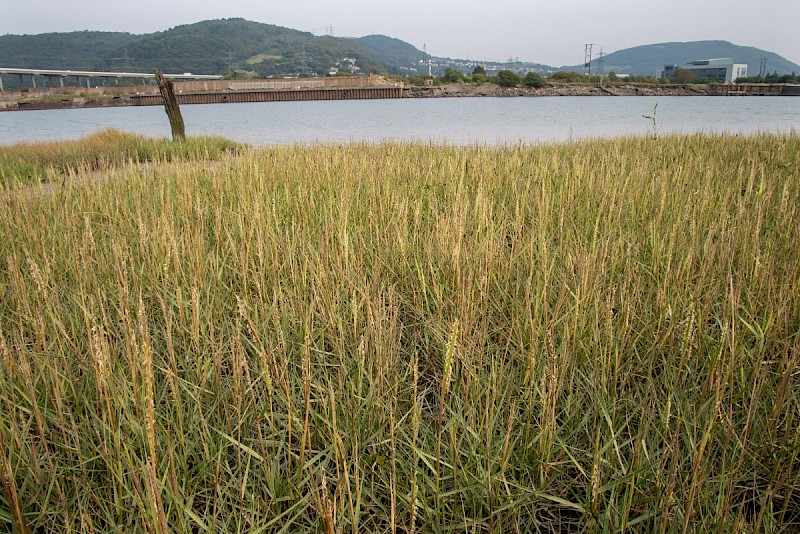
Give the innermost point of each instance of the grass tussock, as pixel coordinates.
(104, 150)
(593, 336)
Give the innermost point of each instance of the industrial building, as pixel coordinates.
(719, 69)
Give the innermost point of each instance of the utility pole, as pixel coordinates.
(587, 59)
(426, 57)
(304, 67)
(600, 63)
(126, 62)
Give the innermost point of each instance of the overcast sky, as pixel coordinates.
(552, 32)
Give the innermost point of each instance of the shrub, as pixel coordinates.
(452, 76)
(507, 78)
(567, 76)
(534, 79)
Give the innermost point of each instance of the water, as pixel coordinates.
(482, 120)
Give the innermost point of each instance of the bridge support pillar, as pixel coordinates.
(1, 84)
(33, 81)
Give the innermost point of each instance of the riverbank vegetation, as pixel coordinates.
(510, 78)
(32, 162)
(600, 335)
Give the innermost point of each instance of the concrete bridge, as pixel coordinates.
(85, 74)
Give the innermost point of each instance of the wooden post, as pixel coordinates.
(171, 107)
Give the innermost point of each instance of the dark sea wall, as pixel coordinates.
(65, 103)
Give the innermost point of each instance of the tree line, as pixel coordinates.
(510, 78)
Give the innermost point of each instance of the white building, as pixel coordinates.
(719, 69)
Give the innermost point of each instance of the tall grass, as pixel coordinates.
(592, 336)
(104, 150)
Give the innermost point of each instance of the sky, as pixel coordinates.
(552, 32)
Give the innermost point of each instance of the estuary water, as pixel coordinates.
(462, 121)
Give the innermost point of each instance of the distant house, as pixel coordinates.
(719, 69)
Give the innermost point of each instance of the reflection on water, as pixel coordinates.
(454, 120)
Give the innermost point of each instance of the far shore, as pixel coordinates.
(454, 90)
(22, 102)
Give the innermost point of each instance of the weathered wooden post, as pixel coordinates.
(171, 107)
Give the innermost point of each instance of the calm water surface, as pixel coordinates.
(482, 120)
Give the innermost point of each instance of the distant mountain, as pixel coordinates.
(396, 54)
(648, 59)
(209, 47)
(219, 46)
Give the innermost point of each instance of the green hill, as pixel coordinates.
(208, 47)
(212, 46)
(217, 46)
(649, 59)
(84, 50)
(396, 54)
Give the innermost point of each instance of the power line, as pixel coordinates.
(600, 64)
(587, 58)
